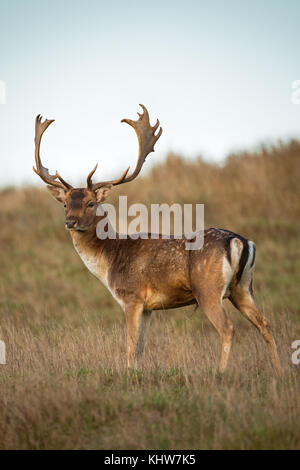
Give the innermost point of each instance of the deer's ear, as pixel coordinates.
(58, 193)
(102, 193)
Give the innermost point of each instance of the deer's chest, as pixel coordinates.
(95, 264)
(98, 266)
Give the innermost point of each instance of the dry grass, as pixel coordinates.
(65, 384)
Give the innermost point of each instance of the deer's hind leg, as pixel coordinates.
(211, 284)
(241, 296)
(243, 300)
(210, 300)
(222, 323)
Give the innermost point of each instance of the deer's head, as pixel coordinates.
(81, 203)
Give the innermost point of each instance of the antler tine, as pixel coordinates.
(146, 139)
(40, 170)
(67, 185)
(89, 178)
(104, 183)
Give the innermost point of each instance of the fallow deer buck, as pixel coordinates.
(151, 274)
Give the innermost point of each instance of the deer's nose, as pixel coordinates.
(71, 222)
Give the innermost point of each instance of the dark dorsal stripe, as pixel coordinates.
(243, 259)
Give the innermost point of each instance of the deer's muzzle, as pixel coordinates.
(71, 223)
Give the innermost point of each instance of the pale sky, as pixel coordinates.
(218, 75)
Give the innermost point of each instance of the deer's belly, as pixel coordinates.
(159, 300)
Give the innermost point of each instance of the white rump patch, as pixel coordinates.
(236, 248)
(227, 275)
(228, 269)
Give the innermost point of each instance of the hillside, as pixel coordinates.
(65, 384)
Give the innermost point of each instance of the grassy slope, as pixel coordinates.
(65, 384)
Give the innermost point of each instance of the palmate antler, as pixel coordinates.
(146, 138)
(40, 170)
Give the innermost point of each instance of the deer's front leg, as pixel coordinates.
(137, 323)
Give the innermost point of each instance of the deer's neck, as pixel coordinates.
(92, 251)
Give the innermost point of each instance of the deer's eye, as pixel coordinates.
(91, 204)
(65, 205)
